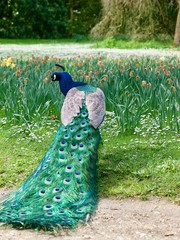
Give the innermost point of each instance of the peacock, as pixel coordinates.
(62, 190)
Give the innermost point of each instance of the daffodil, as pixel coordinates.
(12, 66)
(162, 59)
(8, 63)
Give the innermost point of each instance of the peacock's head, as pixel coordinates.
(56, 76)
(61, 77)
(65, 80)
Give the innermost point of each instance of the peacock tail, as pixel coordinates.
(62, 190)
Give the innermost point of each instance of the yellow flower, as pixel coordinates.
(25, 80)
(80, 64)
(106, 77)
(18, 72)
(13, 66)
(143, 83)
(90, 74)
(3, 64)
(99, 63)
(90, 56)
(162, 59)
(137, 64)
(158, 73)
(74, 64)
(81, 72)
(87, 78)
(21, 89)
(169, 81)
(137, 78)
(173, 89)
(148, 85)
(53, 117)
(46, 79)
(131, 74)
(9, 61)
(167, 73)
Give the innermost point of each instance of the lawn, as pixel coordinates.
(128, 166)
(109, 42)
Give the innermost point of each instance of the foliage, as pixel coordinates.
(128, 165)
(45, 41)
(33, 19)
(25, 94)
(47, 19)
(67, 18)
(134, 88)
(141, 19)
(83, 15)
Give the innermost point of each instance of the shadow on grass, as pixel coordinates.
(139, 170)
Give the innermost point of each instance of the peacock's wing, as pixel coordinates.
(62, 189)
(72, 105)
(95, 103)
(94, 100)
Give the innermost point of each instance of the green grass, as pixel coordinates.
(134, 88)
(140, 167)
(20, 154)
(45, 41)
(111, 42)
(128, 165)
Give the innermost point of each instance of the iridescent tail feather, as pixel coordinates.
(62, 191)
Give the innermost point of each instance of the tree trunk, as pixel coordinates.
(177, 30)
(111, 20)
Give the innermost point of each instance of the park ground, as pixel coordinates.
(115, 219)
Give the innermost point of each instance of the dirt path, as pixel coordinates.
(127, 219)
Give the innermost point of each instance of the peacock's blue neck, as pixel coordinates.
(65, 85)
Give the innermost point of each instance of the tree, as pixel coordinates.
(83, 15)
(177, 30)
(139, 18)
(47, 19)
(33, 19)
